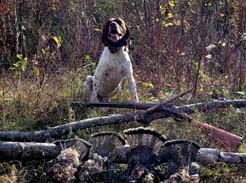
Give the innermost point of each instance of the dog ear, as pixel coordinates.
(127, 34)
(104, 37)
(122, 23)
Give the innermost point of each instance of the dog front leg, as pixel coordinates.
(94, 95)
(133, 87)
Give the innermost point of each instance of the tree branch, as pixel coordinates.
(58, 131)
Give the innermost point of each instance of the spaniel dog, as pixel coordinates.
(114, 64)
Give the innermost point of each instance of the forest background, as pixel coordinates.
(48, 47)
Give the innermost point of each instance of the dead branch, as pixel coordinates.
(58, 131)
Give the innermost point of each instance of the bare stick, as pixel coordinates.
(155, 107)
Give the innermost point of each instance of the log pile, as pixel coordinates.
(141, 149)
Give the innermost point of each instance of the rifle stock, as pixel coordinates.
(227, 139)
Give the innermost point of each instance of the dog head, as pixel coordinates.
(115, 33)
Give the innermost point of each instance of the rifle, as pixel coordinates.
(227, 139)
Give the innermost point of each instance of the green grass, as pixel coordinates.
(26, 106)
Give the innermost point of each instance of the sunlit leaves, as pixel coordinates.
(171, 3)
(22, 62)
(20, 65)
(170, 15)
(162, 9)
(167, 14)
(57, 40)
(167, 24)
(170, 18)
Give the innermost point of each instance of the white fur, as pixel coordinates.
(111, 69)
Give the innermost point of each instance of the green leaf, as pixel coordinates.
(19, 56)
(24, 64)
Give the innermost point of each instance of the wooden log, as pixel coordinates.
(27, 150)
(33, 150)
(211, 156)
(57, 132)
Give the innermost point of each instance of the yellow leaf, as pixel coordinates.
(57, 39)
(167, 24)
(170, 15)
(171, 3)
(162, 9)
(177, 22)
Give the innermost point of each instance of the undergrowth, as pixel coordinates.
(27, 107)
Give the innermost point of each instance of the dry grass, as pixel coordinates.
(25, 105)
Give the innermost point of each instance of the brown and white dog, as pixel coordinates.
(114, 64)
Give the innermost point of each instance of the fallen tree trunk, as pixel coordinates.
(58, 131)
(33, 150)
(27, 151)
(211, 156)
(141, 116)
